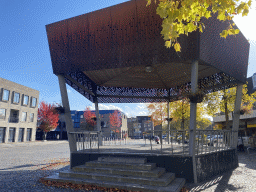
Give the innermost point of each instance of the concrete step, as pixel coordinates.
(174, 186)
(163, 180)
(120, 165)
(156, 172)
(123, 160)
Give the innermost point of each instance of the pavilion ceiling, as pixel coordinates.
(163, 76)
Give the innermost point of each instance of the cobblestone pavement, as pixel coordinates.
(23, 164)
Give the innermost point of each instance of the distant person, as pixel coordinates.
(157, 139)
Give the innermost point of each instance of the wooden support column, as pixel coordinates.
(236, 116)
(67, 114)
(192, 125)
(98, 126)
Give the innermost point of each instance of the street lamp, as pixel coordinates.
(168, 120)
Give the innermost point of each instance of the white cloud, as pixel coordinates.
(130, 110)
(109, 107)
(142, 113)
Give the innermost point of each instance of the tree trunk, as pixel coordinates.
(182, 123)
(245, 132)
(226, 110)
(45, 133)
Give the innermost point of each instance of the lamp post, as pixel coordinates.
(169, 121)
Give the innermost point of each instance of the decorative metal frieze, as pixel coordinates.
(104, 94)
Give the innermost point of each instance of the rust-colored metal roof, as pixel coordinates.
(110, 49)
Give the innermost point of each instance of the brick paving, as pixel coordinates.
(23, 164)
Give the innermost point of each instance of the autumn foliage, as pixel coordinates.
(157, 112)
(183, 17)
(115, 120)
(89, 117)
(47, 116)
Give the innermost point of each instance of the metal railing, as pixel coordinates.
(86, 140)
(206, 141)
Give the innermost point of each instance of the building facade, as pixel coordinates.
(134, 128)
(139, 125)
(79, 123)
(18, 112)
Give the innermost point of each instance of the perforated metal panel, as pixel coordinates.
(145, 95)
(104, 54)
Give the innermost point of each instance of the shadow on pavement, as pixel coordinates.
(249, 160)
(221, 181)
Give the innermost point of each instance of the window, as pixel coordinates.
(2, 134)
(24, 116)
(76, 125)
(81, 116)
(103, 124)
(16, 97)
(29, 133)
(11, 134)
(31, 117)
(2, 113)
(25, 100)
(33, 102)
(6, 94)
(21, 134)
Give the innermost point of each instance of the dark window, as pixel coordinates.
(29, 133)
(25, 100)
(11, 134)
(76, 125)
(21, 134)
(6, 94)
(16, 97)
(2, 113)
(2, 134)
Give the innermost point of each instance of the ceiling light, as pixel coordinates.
(148, 69)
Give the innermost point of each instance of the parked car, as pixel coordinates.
(179, 139)
(214, 139)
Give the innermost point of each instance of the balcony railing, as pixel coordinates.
(206, 141)
(13, 120)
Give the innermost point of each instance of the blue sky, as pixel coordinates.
(25, 56)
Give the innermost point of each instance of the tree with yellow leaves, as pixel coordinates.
(185, 16)
(224, 101)
(180, 112)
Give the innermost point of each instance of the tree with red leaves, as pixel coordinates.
(47, 116)
(115, 120)
(89, 119)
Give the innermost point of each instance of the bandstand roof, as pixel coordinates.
(104, 54)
